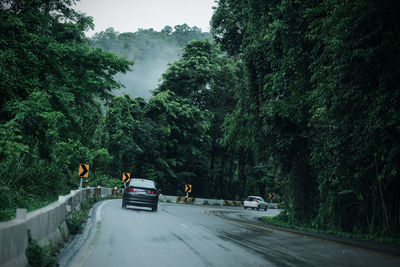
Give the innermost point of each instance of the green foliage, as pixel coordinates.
(207, 80)
(76, 219)
(52, 84)
(353, 116)
(105, 181)
(168, 138)
(182, 128)
(228, 23)
(38, 256)
(317, 111)
(119, 125)
(18, 192)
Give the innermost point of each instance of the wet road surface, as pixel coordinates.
(191, 235)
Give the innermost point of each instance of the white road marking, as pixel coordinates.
(184, 225)
(85, 253)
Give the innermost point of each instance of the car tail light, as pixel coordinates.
(152, 192)
(130, 189)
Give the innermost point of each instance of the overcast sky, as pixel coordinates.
(130, 15)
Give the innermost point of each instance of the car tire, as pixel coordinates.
(245, 208)
(258, 207)
(154, 208)
(266, 208)
(123, 205)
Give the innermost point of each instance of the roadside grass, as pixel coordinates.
(30, 204)
(39, 256)
(77, 218)
(279, 221)
(75, 221)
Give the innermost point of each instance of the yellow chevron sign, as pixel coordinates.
(126, 177)
(188, 188)
(83, 170)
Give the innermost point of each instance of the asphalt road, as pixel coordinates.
(191, 235)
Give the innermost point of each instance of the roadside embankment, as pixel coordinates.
(46, 225)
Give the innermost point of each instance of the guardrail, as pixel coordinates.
(205, 201)
(45, 225)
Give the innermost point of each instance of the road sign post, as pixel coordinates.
(271, 197)
(188, 189)
(83, 172)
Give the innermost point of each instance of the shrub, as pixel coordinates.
(75, 221)
(38, 256)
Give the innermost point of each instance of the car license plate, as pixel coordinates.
(141, 193)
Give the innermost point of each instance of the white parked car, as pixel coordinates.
(255, 202)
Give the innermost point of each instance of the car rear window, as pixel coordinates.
(142, 183)
(254, 198)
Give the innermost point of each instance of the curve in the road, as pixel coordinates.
(370, 246)
(180, 235)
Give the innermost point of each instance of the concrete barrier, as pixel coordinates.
(274, 205)
(233, 203)
(187, 200)
(166, 198)
(45, 225)
(116, 193)
(205, 201)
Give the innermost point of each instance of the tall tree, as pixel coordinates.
(51, 85)
(183, 129)
(356, 127)
(271, 38)
(318, 108)
(208, 81)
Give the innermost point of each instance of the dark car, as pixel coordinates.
(141, 192)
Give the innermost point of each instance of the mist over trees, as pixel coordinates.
(174, 137)
(152, 51)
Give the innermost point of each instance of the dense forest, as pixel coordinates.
(295, 97)
(321, 105)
